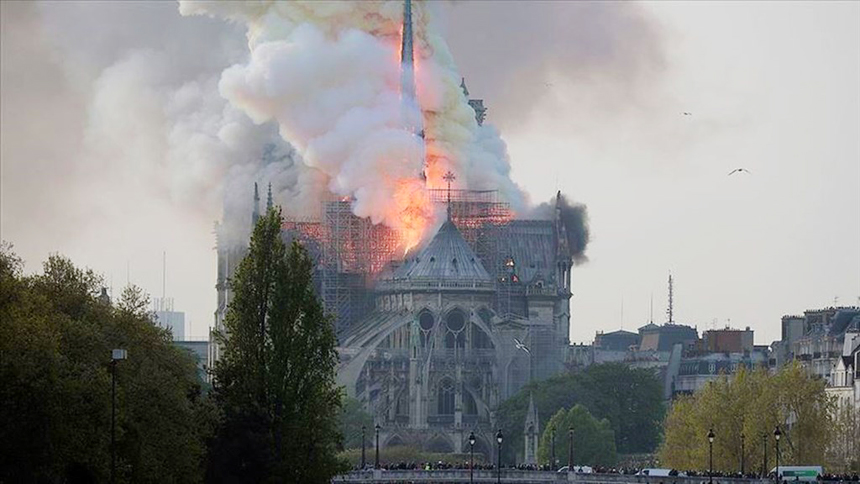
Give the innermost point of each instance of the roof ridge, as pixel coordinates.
(446, 257)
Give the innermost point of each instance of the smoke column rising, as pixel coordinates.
(329, 74)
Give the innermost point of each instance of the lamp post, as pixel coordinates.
(552, 449)
(116, 355)
(377, 446)
(570, 449)
(471, 454)
(764, 460)
(742, 454)
(711, 456)
(499, 458)
(776, 435)
(363, 460)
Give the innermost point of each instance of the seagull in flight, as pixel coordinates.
(739, 170)
(521, 346)
(685, 113)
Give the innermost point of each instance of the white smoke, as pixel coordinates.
(328, 74)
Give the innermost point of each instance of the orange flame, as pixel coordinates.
(414, 213)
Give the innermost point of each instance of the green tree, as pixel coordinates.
(593, 439)
(630, 399)
(275, 382)
(843, 453)
(55, 342)
(752, 404)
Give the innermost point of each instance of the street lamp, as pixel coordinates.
(570, 449)
(742, 454)
(499, 458)
(377, 446)
(776, 435)
(471, 454)
(552, 449)
(711, 456)
(764, 457)
(363, 460)
(115, 356)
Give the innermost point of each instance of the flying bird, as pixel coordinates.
(685, 113)
(739, 170)
(521, 346)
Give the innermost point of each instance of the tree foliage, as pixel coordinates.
(630, 399)
(843, 453)
(275, 382)
(752, 404)
(593, 439)
(56, 338)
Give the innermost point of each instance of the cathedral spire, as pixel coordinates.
(255, 214)
(410, 110)
(269, 203)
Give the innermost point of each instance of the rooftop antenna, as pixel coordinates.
(670, 309)
(449, 177)
(652, 307)
(163, 275)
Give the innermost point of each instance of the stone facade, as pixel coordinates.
(439, 352)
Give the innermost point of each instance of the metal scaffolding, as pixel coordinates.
(351, 251)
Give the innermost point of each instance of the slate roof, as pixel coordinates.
(447, 257)
(531, 243)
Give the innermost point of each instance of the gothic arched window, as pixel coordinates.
(445, 398)
(455, 322)
(425, 322)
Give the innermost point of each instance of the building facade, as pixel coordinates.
(448, 340)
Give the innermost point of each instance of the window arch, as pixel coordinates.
(426, 321)
(455, 336)
(445, 398)
(456, 320)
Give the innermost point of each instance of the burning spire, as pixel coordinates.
(410, 111)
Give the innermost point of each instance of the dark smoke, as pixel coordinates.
(574, 216)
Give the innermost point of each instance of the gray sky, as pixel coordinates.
(588, 96)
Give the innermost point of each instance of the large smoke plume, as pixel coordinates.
(574, 216)
(328, 73)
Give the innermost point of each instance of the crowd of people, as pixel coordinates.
(463, 465)
(441, 465)
(840, 477)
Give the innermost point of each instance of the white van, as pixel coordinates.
(654, 472)
(798, 473)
